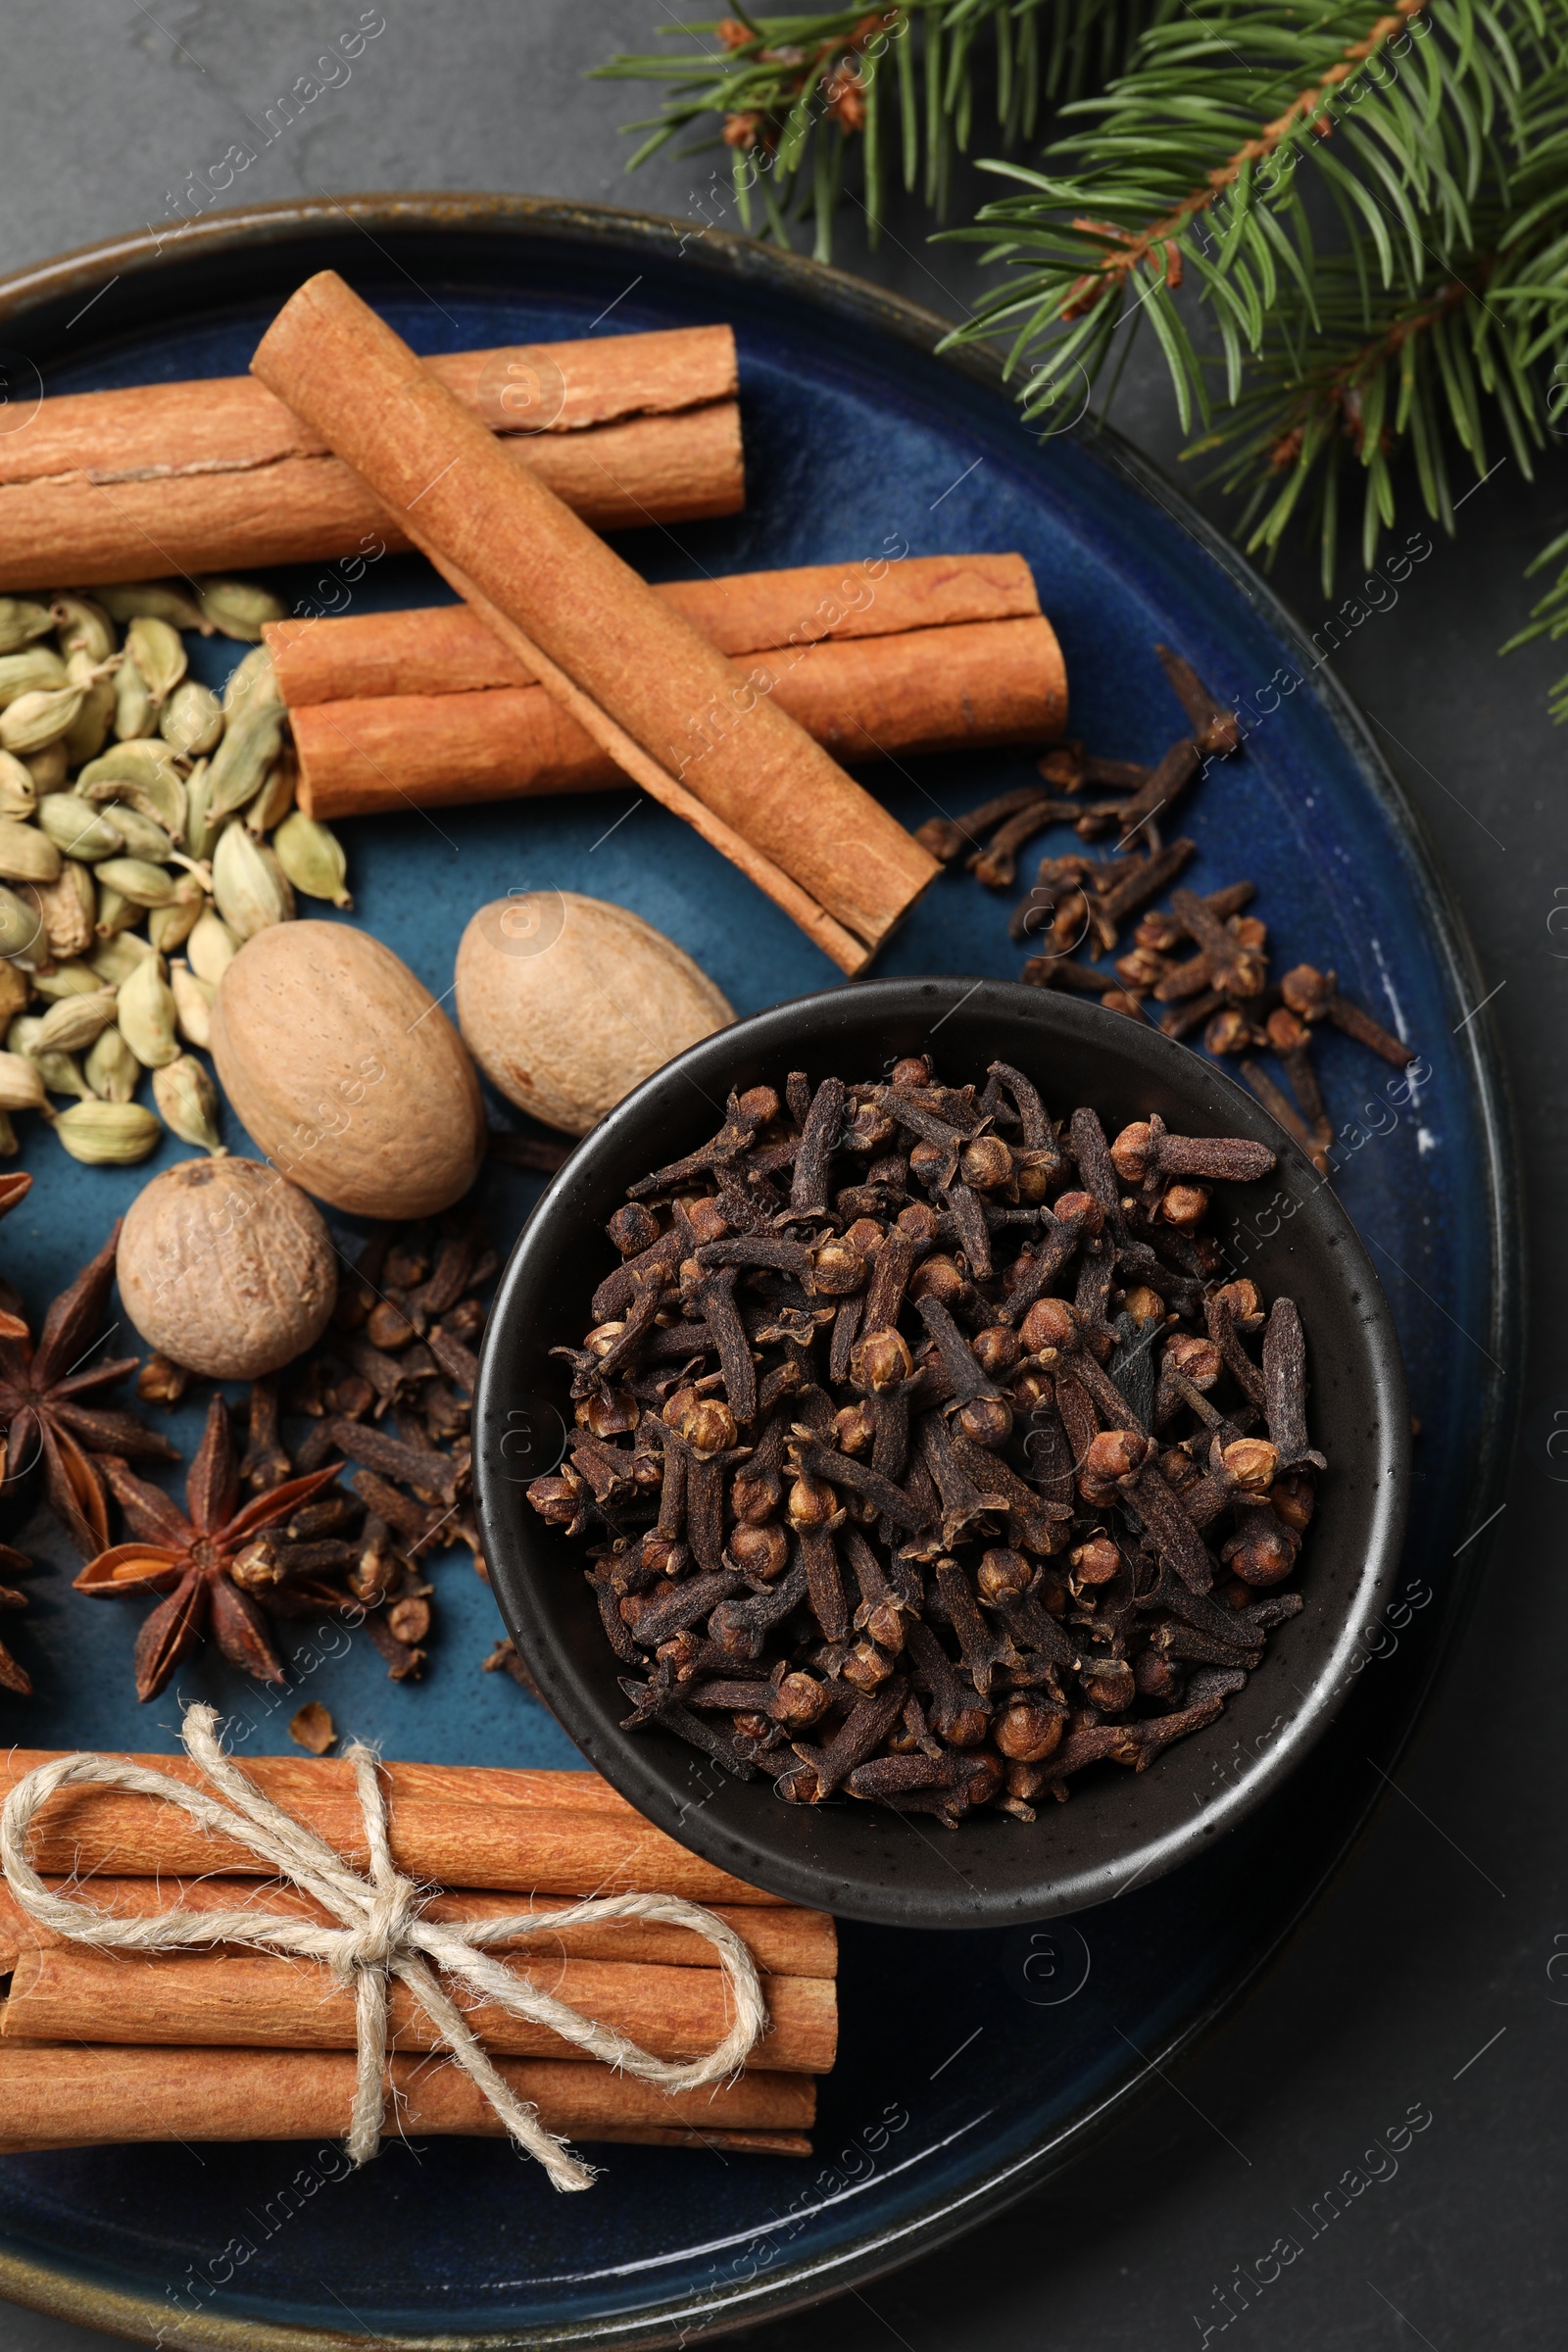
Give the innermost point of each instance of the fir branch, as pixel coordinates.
(789, 96)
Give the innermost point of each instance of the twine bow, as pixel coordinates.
(381, 1933)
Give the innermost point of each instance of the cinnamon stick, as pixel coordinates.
(70, 1992)
(285, 1777)
(446, 649)
(82, 1830)
(783, 1942)
(87, 2095)
(956, 687)
(219, 475)
(646, 685)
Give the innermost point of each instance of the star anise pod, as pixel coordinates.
(41, 1412)
(190, 1558)
(15, 1563)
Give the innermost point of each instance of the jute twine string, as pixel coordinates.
(381, 1933)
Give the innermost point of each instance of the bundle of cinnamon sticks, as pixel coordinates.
(220, 475)
(103, 2047)
(875, 660)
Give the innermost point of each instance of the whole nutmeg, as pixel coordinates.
(227, 1267)
(346, 1072)
(567, 1003)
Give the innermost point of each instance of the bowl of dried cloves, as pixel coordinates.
(936, 1442)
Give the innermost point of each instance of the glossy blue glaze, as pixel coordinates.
(964, 2057)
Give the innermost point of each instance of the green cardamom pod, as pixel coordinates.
(71, 979)
(193, 1004)
(201, 834)
(136, 878)
(109, 1135)
(61, 1074)
(81, 626)
(115, 959)
(49, 769)
(253, 680)
(35, 720)
(18, 794)
(250, 887)
(74, 1021)
(16, 987)
(25, 853)
(193, 719)
(158, 655)
(238, 608)
(21, 1083)
(19, 924)
(147, 1015)
(112, 1069)
(141, 772)
(23, 1032)
(38, 670)
(313, 859)
(115, 913)
(212, 947)
(251, 743)
(127, 599)
(20, 621)
(70, 908)
(141, 837)
(134, 711)
(88, 731)
(188, 1100)
(79, 829)
(168, 927)
(276, 796)
(9, 1145)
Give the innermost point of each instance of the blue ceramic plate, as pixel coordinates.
(972, 2063)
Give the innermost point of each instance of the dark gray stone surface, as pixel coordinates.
(1428, 1974)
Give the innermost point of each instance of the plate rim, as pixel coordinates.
(87, 270)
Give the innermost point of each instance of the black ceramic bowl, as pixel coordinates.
(856, 1859)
